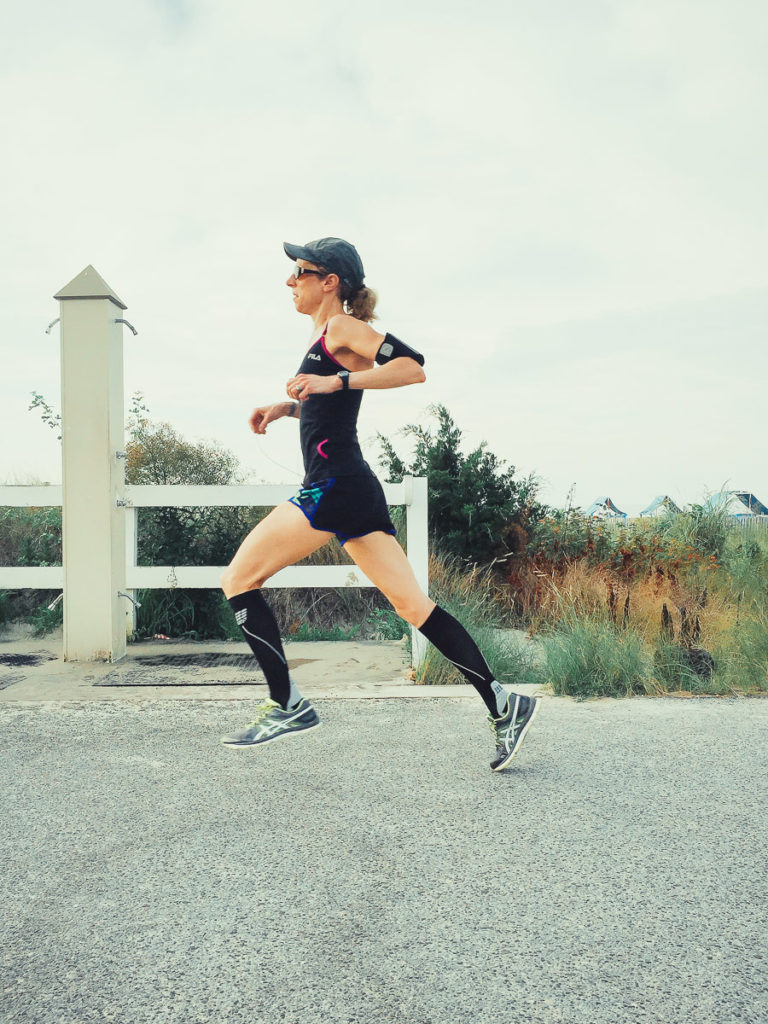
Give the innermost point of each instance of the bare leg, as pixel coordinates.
(384, 562)
(282, 538)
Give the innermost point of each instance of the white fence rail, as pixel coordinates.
(99, 509)
(750, 522)
(736, 522)
(412, 493)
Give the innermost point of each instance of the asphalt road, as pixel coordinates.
(376, 870)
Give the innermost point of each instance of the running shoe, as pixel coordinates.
(509, 730)
(272, 722)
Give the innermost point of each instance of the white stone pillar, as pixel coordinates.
(93, 477)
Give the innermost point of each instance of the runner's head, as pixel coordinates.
(331, 264)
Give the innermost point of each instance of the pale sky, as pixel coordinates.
(562, 206)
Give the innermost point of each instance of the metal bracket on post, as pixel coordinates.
(120, 320)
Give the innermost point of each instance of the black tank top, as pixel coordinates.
(328, 427)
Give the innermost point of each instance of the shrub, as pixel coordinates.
(471, 501)
(741, 657)
(590, 657)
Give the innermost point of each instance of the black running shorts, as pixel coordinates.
(349, 506)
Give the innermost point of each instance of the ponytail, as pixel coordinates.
(362, 303)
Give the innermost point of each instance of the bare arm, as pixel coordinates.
(394, 374)
(265, 414)
(355, 336)
(363, 340)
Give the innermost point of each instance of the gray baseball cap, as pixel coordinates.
(335, 255)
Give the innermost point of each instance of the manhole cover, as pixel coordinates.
(203, 669)
(150, 677)
(246, 661)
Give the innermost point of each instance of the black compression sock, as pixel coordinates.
(260, 629)
(454, 643)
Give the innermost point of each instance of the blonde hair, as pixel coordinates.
(360, 303)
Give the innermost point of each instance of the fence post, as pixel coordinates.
(131, 559)
(93, 476)
(417, 532)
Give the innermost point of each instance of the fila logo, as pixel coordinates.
(314, 355)
(241, 616)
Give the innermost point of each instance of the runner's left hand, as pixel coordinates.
(306, 384)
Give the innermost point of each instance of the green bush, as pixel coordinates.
(672, 668)
(590, 657)
(386, 624)
(45, 619)
(741, 659)
(182, 614)
(470, 499)
(30, 536)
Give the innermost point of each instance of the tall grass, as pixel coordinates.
(643, 608)
(590, 657)
(472, 598)
(678, 604)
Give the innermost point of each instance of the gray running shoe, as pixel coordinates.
(272, 723)
(509, 730)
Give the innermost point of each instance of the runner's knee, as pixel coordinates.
(234, 582)
(414, 611)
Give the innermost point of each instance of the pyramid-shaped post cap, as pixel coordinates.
(89, 284)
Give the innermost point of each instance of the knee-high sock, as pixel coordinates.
(260, 629)
(454, 643)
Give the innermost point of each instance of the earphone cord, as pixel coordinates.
(293, 472)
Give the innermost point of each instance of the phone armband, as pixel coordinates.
(392, 348)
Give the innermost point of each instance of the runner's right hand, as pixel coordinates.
(263, 415)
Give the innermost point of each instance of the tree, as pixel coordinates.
(472, 502)
(157, 454)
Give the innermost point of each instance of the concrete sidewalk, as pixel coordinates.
(33, 670)
(375, 870)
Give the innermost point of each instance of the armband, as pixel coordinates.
(392, 348)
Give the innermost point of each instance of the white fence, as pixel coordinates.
(412, 493)
(751, 523)
(99, 575)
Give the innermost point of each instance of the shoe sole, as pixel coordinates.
(521, 737)
(272, 739)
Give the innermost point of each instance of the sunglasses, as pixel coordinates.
(298, 271)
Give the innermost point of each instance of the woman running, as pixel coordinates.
(342, 497)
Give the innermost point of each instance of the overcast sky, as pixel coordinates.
(562, 205)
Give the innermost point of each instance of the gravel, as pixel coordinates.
(376, 870)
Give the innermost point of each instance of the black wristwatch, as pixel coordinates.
(344, 374)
